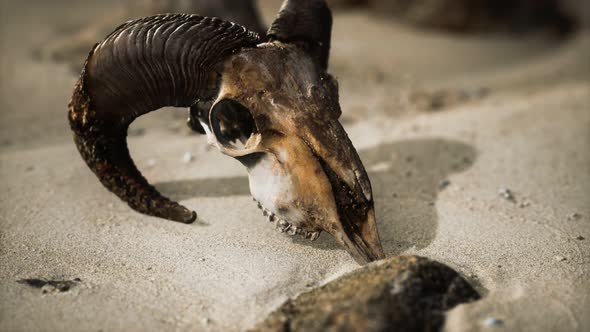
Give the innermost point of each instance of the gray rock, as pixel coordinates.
(405, 293)
(50, 286)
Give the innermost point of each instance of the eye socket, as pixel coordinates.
(232, 124)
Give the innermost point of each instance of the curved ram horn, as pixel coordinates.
(146, 64)
(307, 21)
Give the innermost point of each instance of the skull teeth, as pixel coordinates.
(293, 230)
(286, 227)
(312, 235)
(283, 225)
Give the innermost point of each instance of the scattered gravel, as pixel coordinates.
(524, 204)
(574, 216)
(491, 322)
(187, 157)
(506, 194)
(443, 184)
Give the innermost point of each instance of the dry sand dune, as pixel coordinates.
(442, 123)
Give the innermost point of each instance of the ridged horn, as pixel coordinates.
(307, 21)
(146, 64)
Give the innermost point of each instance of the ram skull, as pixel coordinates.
(268, 103)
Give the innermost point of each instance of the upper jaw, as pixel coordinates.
(336, 209)
(363, 246)
(356, 228)
(303, 191)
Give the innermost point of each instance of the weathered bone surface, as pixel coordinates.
(302, 166)
(271, 105)
(404, 293)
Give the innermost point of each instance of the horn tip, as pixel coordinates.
(183, 215)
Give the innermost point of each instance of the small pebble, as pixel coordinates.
(580, 238)
(491, 322)
(201, 259)
(574, 216)
(443, 184)
(187, 157)
(506, 194)
(560, 258)
(524, 204)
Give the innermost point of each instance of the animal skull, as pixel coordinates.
(281, 122)
(271, 105)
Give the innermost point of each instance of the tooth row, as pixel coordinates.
(284, 226)
(312, 235)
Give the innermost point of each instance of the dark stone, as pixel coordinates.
(50, 285)
(405, 293)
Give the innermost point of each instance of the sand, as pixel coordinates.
(521, 122)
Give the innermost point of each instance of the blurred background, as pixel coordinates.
(391, 56)
(449, 102)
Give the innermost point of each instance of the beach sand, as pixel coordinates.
(446, 126)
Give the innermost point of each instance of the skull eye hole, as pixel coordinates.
(232, 124)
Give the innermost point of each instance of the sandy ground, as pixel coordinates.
(521, 121)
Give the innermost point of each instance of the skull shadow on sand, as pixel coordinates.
(406, 176)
